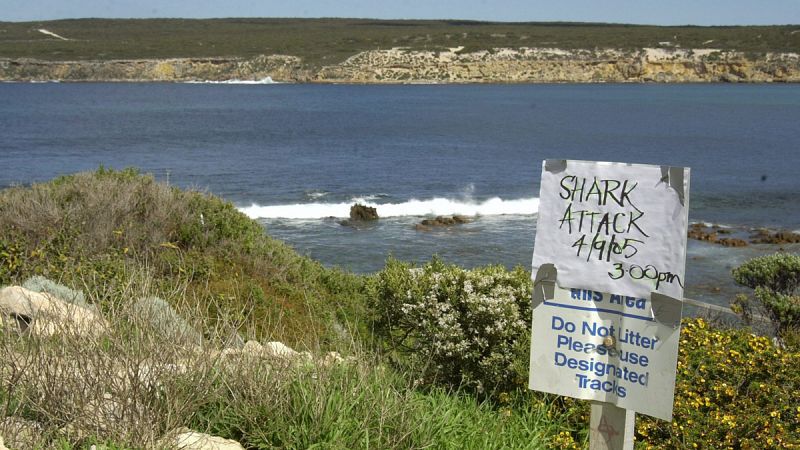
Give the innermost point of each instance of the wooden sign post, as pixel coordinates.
(610, 427)
(608, 270)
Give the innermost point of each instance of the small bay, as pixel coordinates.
(292, 156)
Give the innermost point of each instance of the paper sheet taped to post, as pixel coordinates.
(614, 227)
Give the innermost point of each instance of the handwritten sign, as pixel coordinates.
(609, 267)
(614, 227)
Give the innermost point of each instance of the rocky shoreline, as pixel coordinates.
(741, 236)
(398, 65)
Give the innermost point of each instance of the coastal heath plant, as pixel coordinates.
(776, 280)
(38, 283)
(733, 389)
(159, 317)
(456, 327)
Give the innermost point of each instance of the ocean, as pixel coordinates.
(295, 157)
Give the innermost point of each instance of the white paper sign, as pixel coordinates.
(614, 227)
(611, 348)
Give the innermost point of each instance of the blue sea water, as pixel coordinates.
(294, 155)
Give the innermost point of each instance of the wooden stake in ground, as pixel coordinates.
(611, 427)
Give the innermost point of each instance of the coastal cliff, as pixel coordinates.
(399, 65)
(279, 67)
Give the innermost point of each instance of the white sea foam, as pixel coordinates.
(711, 224)
(369, 198)
(314, 195)
(435, 206)
(267, 80)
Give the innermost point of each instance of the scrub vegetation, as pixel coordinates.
(433, 356)
(329, 41)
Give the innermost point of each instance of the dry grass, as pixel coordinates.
(123, 386)
(131, 387)
(102, 210)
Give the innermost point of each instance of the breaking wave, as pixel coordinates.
(435, 206)
(266, 80)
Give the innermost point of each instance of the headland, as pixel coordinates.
(393, 51)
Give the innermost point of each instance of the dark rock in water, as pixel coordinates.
(702, 233)
(741, 238)
(778, 237)
(360, 216)
(711, 234)
(732, 242)
(363, 212)
(442, 221)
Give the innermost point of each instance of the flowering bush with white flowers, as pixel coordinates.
(466, 328)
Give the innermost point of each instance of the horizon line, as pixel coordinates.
(464, 21)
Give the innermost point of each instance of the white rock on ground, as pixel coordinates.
(331, 359)
(186, 439)
(280, 350)
(275, 350)
(271, 352)
(42, 314)
(2, 447)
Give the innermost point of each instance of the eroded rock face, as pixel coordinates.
(500, 65)
(277, 67)
(41, 314)
(532, 65)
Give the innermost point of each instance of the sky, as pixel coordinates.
(655, 12)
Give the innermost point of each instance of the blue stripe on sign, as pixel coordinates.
(584, 308)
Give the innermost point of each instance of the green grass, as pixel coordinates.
(370, 406)
(328, 41)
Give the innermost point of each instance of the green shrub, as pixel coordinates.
(215, 222)
(776, 279)
(459, 327)
(779, 272)
(39, 283)
(12, 259)
(158, 317)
